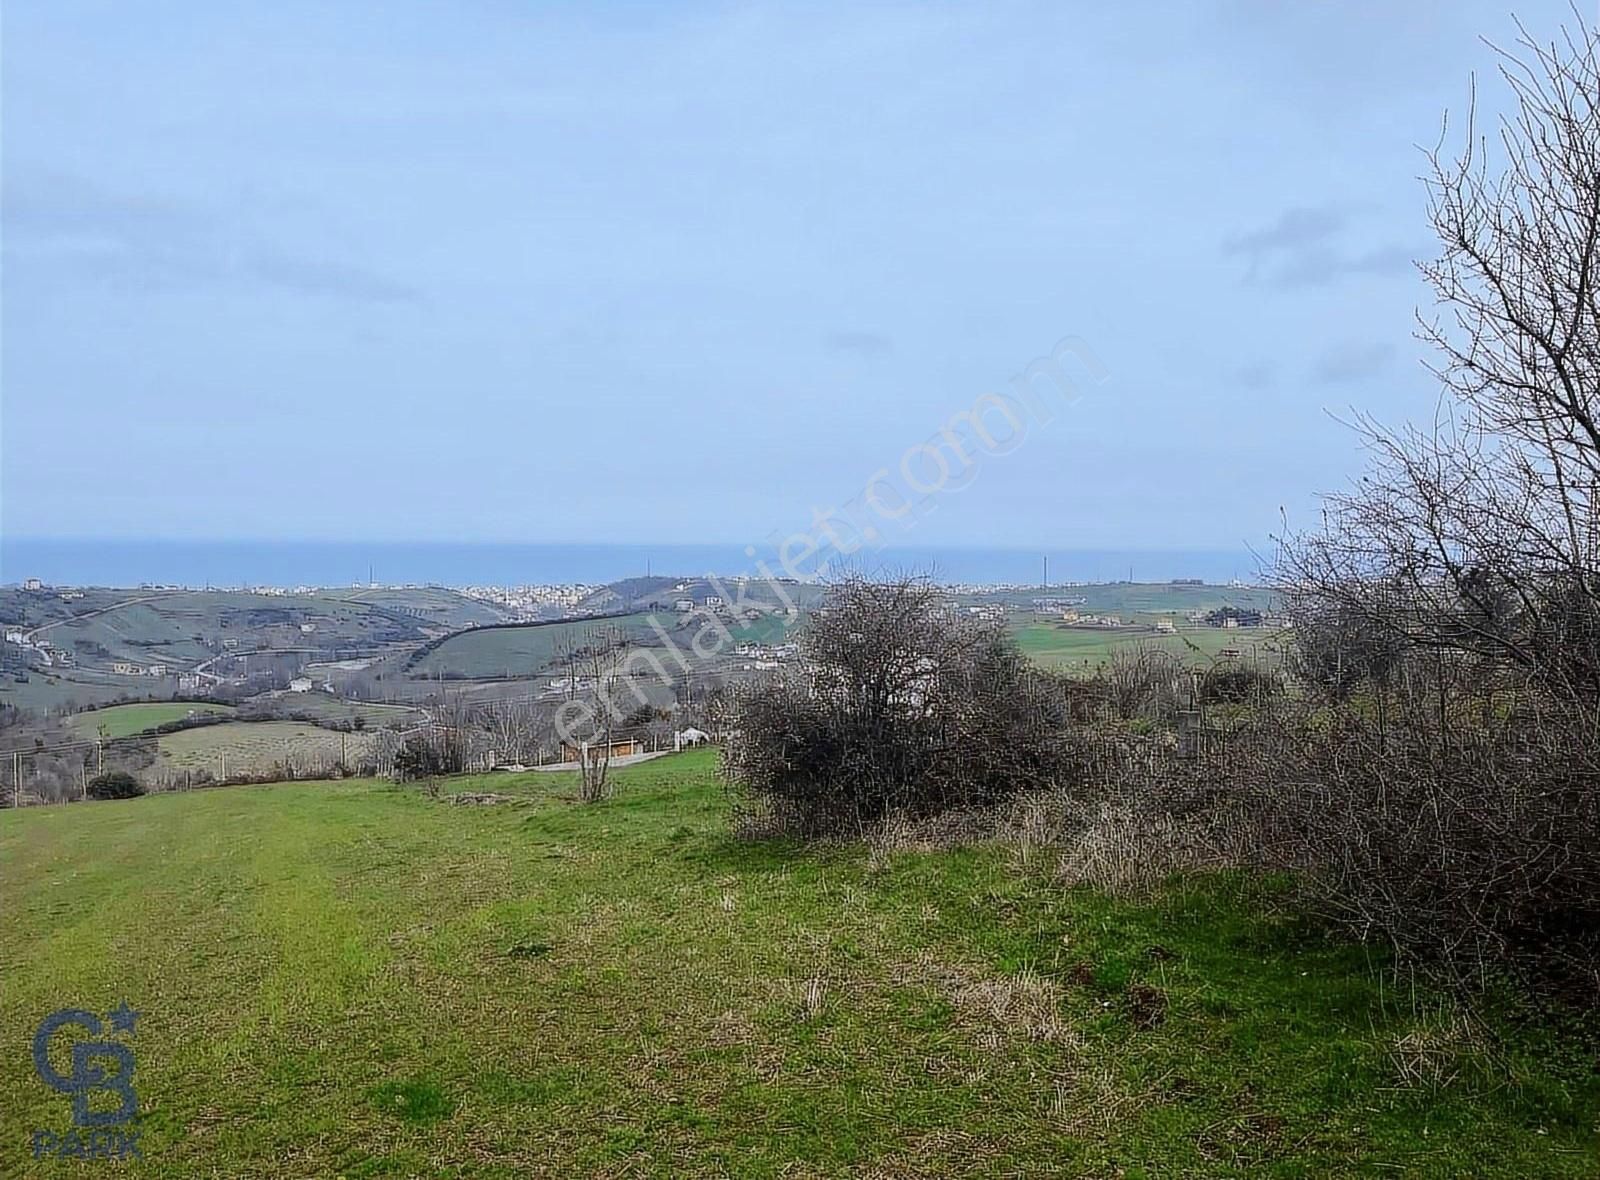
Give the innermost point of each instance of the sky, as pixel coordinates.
(698, 272)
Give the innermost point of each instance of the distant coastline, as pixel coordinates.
(231, 564)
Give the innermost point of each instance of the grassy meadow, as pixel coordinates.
(351, 979)
(1082, 649)
(120, 721)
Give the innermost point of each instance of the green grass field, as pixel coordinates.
(121, 721)
(352, 979)
(1078, 649)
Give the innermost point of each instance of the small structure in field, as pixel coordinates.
(685, 738)
(596, 751)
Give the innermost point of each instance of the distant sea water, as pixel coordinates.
(228, 564)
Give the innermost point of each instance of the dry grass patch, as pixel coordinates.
(1434, 1054)
(996, 1008)
(1125, 851)
(1090, 1101)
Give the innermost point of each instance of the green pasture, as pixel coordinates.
(354, 979)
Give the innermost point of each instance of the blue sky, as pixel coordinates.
(688, 273)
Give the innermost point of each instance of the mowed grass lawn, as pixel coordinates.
(353, 979)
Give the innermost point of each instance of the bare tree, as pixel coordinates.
(1482, 533)
(589, 717)
(1447, 613)
(516, 728)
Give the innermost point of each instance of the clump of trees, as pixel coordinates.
(905, 708)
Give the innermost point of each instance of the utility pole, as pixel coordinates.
(16, 776)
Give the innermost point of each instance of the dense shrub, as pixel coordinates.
(114, 784)
(1462, 835)
(1238, 684)
(1454, 819)
(903, 708)
(1143, 683)
(427, 754)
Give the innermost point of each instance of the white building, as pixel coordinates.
(300, 684)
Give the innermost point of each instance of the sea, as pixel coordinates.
(231, 564)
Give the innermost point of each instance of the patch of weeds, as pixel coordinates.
(529, 949)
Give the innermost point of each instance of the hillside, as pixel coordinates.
(107, 644)
(352, 979)
(511, 651)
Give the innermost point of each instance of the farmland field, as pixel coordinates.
(1153, 598)
(1082, 649)
(120, 721)
(325, 707)
(348, 978)
(256, 747)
